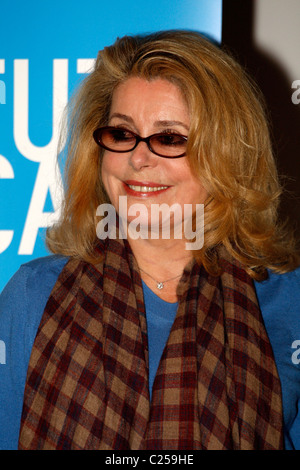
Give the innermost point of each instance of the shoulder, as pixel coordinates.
(282, 290)
(52, 264)
(279, 300)
(38, 272)
(30, 286)
(23, 300)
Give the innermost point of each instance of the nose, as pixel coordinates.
(142, 157)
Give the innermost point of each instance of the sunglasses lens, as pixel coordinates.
(168, 145)
(117, 139)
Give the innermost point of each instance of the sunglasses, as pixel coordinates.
(163, 144)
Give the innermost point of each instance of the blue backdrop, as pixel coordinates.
(45, 50)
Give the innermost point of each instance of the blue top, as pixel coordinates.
(22, 304)
(160, 318)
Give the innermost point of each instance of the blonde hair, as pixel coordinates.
(229, 149)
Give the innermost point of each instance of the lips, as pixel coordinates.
(144, 188)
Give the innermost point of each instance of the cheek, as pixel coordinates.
(191, 187)
(197, 191)
(109, 169)
(112, 169)
(107, 176)
(105, 167)
(113, 165)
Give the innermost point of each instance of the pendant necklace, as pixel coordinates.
(160, 284)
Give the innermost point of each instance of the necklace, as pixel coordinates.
(160, 284)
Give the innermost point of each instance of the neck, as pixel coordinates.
(163, 254)
(161, 260)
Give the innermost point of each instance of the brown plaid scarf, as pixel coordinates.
(87, 385)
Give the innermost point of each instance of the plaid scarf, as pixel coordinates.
(216, 386)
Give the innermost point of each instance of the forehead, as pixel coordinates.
(140, 97)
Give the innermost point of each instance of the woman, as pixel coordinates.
(135, 340)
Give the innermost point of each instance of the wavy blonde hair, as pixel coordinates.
(229, 149)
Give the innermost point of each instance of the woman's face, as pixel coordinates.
(149, 107)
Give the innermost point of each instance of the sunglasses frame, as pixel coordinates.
(138, 139)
